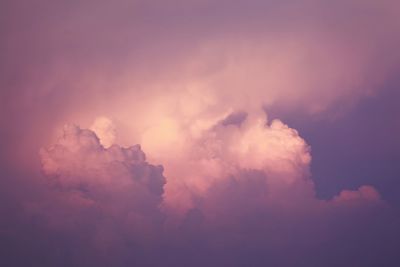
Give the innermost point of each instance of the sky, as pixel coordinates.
(199, 133)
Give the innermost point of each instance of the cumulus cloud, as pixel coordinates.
(246, 188)
(189, 84)
(267, 162)
(293, 56)
(223, 150)
(364, 193)
(113, 189)
(240, 182)
(105, 130)
(261, 160)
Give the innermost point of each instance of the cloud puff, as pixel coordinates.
(242, 185)
(238, 167)
(243, 193)
(114, 189)
(292, 56)
(187, 83)
(364, 193)
(105, 130)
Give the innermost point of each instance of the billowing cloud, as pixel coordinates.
(105, 130)
(224, 150)
(113, 189)
(241, 181)
(364, 193)
(191, 82)
(247, 167)
(204, 58)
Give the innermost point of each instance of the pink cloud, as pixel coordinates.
(364, 193)
(240, 183)
(173, 78)
(112, 183)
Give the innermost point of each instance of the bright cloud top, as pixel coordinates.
(189, 81)
(233, 184)
(112, 182)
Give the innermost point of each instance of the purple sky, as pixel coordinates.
(362, 145)
(199, 133)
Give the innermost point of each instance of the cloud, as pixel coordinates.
(105, 130)
(364, 193)
(113, 189)
(265, 164)
(189, 83)
(237, 188)
(244, 193)
(299, 56)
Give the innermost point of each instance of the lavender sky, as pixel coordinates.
(199, 133)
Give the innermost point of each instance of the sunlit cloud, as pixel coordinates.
(184, 155)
